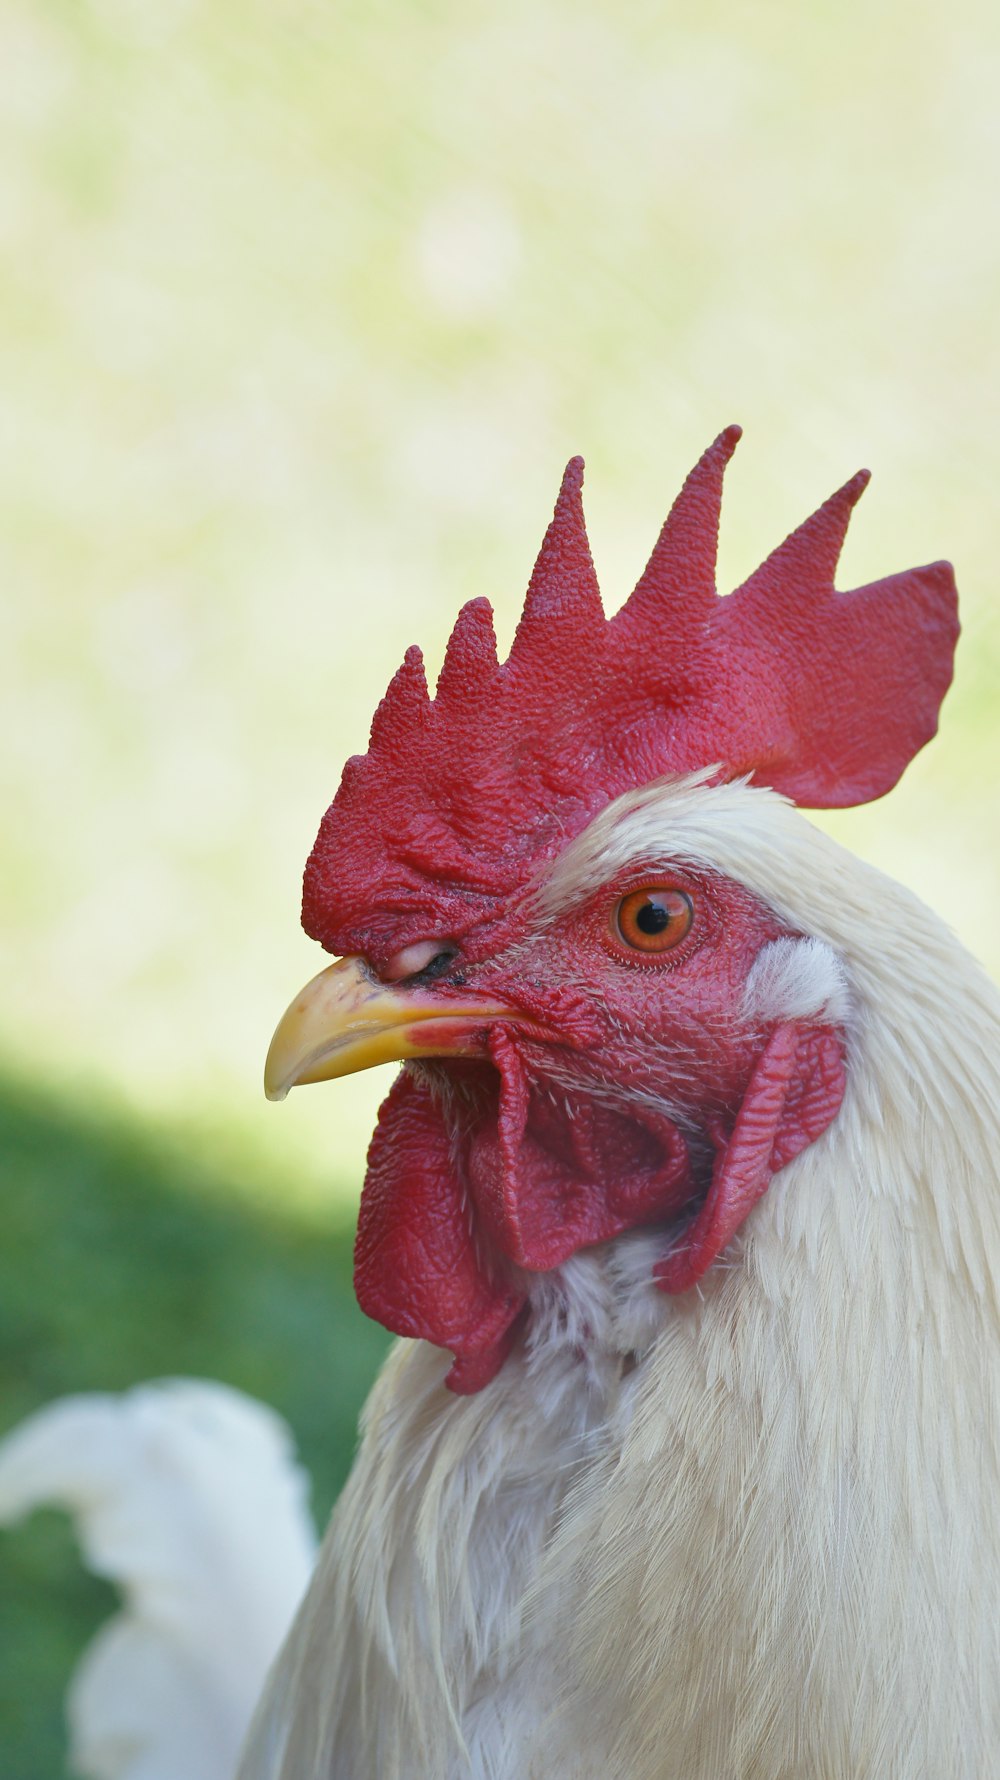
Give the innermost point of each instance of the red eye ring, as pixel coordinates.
(654, 919)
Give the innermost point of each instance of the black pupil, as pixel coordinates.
(652, 918)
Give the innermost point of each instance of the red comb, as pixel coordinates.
(825, 696)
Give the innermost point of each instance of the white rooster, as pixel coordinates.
(686, 1201)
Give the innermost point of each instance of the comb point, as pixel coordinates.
(470, 658)
(563, 596)
(406, 701)
(681, 568)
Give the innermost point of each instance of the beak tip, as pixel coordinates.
(275, 1088)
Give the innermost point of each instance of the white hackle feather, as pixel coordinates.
(745, 1534)
(187, 1496)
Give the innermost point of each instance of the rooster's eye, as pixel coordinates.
(653, 920)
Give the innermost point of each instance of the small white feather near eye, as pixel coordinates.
(797, 979)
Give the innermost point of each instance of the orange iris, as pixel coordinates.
(653, 919)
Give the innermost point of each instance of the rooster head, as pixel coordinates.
(588, 1019)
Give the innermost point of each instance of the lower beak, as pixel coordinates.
(345, 1020)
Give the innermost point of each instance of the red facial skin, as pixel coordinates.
(625, 1111)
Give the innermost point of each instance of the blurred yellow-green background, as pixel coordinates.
(302, 308)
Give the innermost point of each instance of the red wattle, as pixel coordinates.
(550, 1178)
(455, 1205)
(418, 1268)
(794, 1093)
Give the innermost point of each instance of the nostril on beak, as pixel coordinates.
(413, 959)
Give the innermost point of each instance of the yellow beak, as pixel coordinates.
(345, 1020)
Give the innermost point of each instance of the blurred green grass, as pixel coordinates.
(146, 1263)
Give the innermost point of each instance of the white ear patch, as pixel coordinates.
(797, 979)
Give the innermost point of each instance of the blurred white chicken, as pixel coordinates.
(187, 1496)
(686, 1200)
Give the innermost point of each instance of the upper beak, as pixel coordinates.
(346, 1020)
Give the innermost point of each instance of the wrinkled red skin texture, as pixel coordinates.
(482, 1173)
(794, 1093)
(476, 1178)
